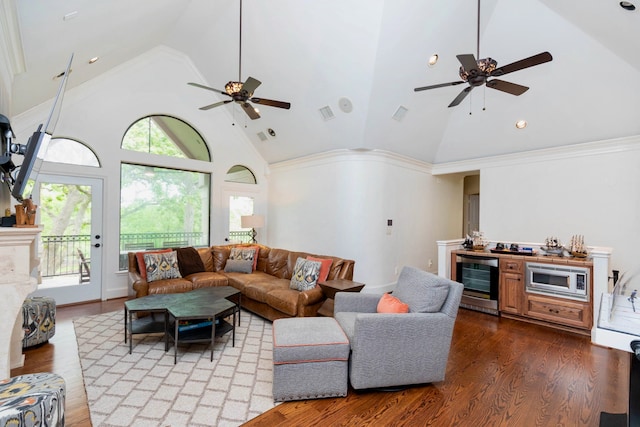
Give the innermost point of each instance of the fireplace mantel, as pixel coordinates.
(19, 273)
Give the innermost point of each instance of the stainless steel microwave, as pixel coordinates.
(561, 280)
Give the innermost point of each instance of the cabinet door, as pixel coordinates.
(511, 292)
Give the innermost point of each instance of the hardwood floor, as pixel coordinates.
(500, 372)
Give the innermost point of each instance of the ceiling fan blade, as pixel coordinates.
(462, 95)
(418, 89)
(251, 112)
(531, 61)
(217, 104)
(208, 88)
(271, 103)
(468, 61)
(250, 85)
(512, 88)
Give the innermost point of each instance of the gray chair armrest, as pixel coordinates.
(356, 302)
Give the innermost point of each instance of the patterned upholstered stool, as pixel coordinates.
(32, 400)
(310, 358)
(38, 320)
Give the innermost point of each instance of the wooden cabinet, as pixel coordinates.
(545, 309)
(559, 310)
(511, 293)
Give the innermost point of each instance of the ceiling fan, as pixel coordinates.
(242, 93)
(476, 72)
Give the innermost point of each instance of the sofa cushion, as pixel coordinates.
(161, 266)
(142, 268)
(189, 261)
(170, 286)
(259, 290)
(423, 291)
(391, 304)
(207, 258)
(284, 300)
(207, 279)
(238, 266)
(305, 274)
(324, 267)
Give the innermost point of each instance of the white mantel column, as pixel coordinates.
(18, 271)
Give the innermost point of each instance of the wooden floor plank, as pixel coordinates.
(500, 372)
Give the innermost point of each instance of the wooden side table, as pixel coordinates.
(330, 287)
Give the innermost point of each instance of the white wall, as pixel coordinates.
(592, 191)
(99, 112)
(338, 204)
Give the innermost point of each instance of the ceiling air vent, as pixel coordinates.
(262, 136)
(327, 113)
(400, 113)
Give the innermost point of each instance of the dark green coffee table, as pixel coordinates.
(213, 303)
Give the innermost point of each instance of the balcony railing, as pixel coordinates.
(60, 255)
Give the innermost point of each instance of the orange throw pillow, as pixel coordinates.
(391, 304)
(325, 266)
(142, 266)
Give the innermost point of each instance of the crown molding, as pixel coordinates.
(596, 148)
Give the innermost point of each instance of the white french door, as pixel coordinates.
(70, 210)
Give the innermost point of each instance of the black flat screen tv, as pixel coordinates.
(37, 145)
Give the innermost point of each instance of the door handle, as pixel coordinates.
(97, 245)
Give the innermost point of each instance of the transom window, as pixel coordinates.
(72, 152)
(241, 174)
(165, 136)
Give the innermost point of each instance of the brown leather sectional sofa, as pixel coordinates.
(265, 291)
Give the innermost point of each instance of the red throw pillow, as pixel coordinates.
(324, 267)
(391, 304)
(142, 266)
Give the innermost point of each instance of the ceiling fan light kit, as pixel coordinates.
(627, 5)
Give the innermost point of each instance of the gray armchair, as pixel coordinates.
(391, 350)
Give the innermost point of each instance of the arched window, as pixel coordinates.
(72, 152)
(166, 136)
(241, 174)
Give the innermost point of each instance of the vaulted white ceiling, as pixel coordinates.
(372, 52)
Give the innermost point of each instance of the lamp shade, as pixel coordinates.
(252, 221)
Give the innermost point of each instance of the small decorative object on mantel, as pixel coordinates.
(26, 214)
(552, 246)
(577, 247)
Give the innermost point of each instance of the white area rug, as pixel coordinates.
(145, 388)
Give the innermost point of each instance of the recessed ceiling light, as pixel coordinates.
(627, 5)
(521, 124)
(94, 59)
(271, 132)
(433, 60)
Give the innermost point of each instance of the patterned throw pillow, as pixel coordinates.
(161, 266)
(305, 274)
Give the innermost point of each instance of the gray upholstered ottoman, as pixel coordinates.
(32, 400)
(310, 358)
(38, 320)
